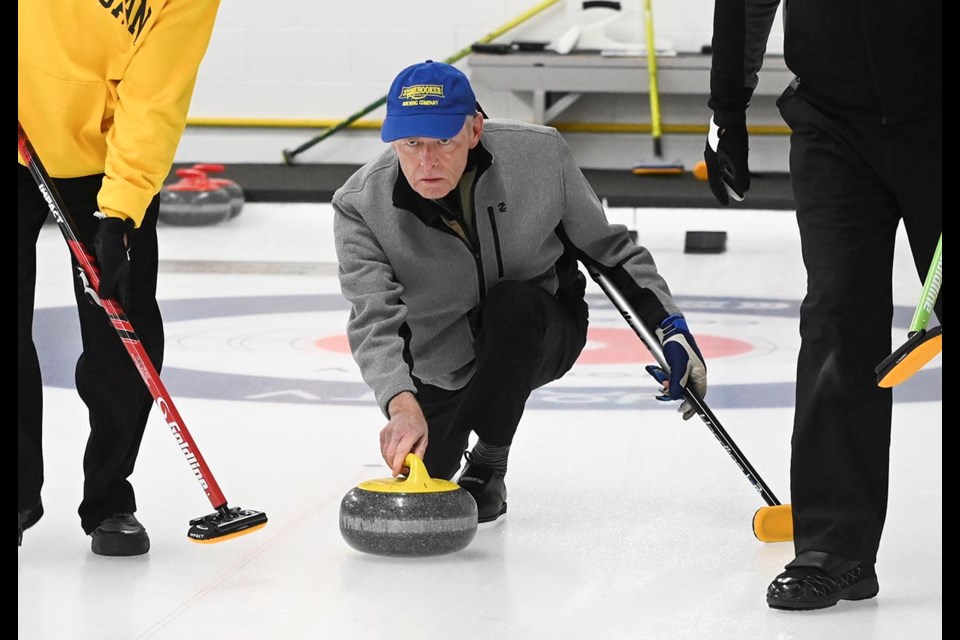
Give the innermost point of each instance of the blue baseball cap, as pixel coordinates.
(428, 100)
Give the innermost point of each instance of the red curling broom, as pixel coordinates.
(226, 522)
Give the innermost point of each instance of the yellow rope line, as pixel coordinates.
(569, 127)
(277, 123)
(682, 129)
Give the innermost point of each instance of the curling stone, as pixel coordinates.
(412, 516)
(193, 201)
(237, 198)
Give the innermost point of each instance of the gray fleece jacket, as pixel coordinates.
(413, 282)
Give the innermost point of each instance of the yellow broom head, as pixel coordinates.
(773, 524)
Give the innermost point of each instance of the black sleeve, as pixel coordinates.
(740, 32)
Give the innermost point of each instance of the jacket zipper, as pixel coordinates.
(476, 232)
(475, 252)
(496, 241)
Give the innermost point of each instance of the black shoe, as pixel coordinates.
(487, 488)
(26, 519)
(816, 580)
(120, 535)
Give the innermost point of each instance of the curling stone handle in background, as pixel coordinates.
(209, 167)
(415, 515)
(234, 190)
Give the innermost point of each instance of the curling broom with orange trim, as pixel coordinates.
(922, 345)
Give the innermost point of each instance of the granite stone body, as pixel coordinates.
(194, 208)
(408, 524)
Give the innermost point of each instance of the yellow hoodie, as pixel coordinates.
(103, 86)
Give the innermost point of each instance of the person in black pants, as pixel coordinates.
(106, 378)
(459, 257)
(865, 155)
(105, 113)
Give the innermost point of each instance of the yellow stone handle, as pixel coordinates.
(418, 472)
(417, 480)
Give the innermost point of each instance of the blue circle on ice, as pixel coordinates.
(623, 388)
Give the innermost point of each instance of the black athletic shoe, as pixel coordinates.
(26, 519)
(120, 535)
(816, 580)
(487, 488)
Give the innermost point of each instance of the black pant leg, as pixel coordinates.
(31, 212)
(117, 399)
(448, 438)
(526, 339)
(848, 217)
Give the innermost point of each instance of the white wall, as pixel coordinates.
(308, 59)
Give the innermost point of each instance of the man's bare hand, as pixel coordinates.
(406, 432)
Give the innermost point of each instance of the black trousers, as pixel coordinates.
(526, 339)
(854, 181)
(107, 381)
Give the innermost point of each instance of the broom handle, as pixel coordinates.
(654, 85)
(652, 344)
(931, 289)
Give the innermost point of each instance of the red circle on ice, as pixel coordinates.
(604, 346)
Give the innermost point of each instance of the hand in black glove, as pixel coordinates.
(110, 247)
(685, 362)
(726, 157)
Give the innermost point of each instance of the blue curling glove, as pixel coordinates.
(684, 361)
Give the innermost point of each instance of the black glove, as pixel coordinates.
(110, 247)
(726, 157)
